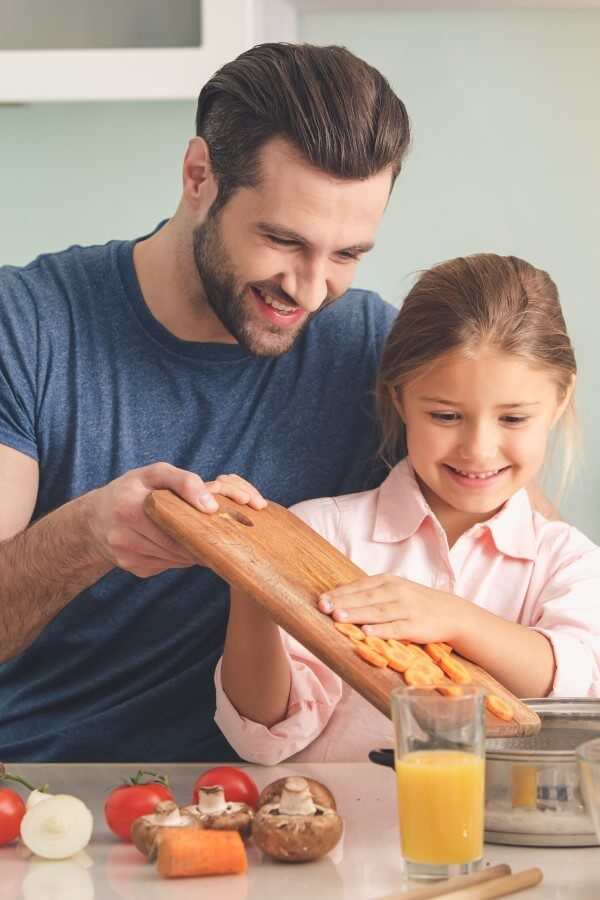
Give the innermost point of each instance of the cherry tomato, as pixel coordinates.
(237, 786)
(12, 810)
(135, 798)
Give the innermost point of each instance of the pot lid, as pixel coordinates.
(566, 723)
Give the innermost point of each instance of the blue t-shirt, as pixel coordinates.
(91, 386)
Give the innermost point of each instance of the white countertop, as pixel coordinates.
(365, 865)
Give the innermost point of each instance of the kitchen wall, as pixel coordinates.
(505, 156)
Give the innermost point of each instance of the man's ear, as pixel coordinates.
(396, 398)
(564, 402)
(199, 182)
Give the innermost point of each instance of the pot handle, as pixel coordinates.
(383, 757)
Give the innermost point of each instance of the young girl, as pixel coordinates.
(477, 371)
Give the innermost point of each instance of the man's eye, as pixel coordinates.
(280, 241)
(348, 254)
(444, 417)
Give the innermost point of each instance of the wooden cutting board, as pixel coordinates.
(285, 565)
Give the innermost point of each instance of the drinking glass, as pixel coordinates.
(588, 757)
(440, 771)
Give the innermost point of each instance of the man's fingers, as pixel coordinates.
(187, 485)
(238, 489)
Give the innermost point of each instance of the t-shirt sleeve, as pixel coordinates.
(18, 365)
(568, 613)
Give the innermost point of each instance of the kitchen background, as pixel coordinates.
(505, 106)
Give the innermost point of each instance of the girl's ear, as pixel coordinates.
(564, 402)
(396, 398)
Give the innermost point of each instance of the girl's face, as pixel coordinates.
(477, 430)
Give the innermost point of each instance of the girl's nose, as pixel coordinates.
(478, 445)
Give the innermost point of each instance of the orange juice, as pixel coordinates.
(440, 798)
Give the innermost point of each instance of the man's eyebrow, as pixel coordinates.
(445, 402)
(288, 234)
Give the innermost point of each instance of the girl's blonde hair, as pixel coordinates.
(463, 305)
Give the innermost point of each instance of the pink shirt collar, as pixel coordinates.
(402, 509)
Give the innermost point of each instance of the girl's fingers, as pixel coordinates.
(373, 597)
(367, 615)
(361, 584)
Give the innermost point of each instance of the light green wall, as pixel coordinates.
(505, 157)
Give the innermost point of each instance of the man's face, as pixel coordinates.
(278, 253)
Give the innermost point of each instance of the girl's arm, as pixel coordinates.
(255, 671)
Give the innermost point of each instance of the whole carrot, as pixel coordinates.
(188, 852)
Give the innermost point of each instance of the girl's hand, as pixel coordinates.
(237, 489)
(392, 607)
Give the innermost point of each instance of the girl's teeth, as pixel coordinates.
(473, 475)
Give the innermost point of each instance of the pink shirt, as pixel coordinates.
(519, 565)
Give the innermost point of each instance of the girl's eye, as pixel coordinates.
(444, 417)
(514, 420)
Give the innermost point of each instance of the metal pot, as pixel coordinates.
(532, 795)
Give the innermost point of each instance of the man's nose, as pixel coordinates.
(307, 285)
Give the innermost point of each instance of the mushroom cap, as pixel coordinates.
(296, 838)
(321, 795)
(236, 817)
(146, 829)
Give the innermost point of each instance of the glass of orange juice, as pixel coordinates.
(440, 771)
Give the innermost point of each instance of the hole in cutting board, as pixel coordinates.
(239, 517)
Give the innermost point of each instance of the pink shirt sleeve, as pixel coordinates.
(315, 690)
(567, 612)
(314, 694)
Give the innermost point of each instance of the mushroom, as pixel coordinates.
(214, 812)
(292, 827)
(321, 795)
(146, 829)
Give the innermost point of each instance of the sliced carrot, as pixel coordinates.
(394, 644)
(455, 670)
(399, 659)
(499, 707)
(418, 675)
(187, 852)
(352, 631)
(419, 654)
(371, 656)
(436, 650)
(376, 644)
(445, 647)
(450, 690)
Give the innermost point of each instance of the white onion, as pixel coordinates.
(58, 827)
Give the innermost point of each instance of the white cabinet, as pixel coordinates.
(127, 49)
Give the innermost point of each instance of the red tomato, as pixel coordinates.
(12, 810)
(237, 786)
(126, 803)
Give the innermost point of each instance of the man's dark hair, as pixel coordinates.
(338, 112)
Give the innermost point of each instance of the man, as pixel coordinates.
(212, 345)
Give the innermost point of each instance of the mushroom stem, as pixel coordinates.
(211, 799)
(296, 799)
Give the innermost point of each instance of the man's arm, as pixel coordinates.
(44, 566)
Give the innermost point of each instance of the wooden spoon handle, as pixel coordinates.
(443, 888)
(499, 887)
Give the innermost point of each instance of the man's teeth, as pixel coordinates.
(478, 475)
(280, 307)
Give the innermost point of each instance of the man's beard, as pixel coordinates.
(229, 303)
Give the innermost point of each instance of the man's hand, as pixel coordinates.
(126, 537)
